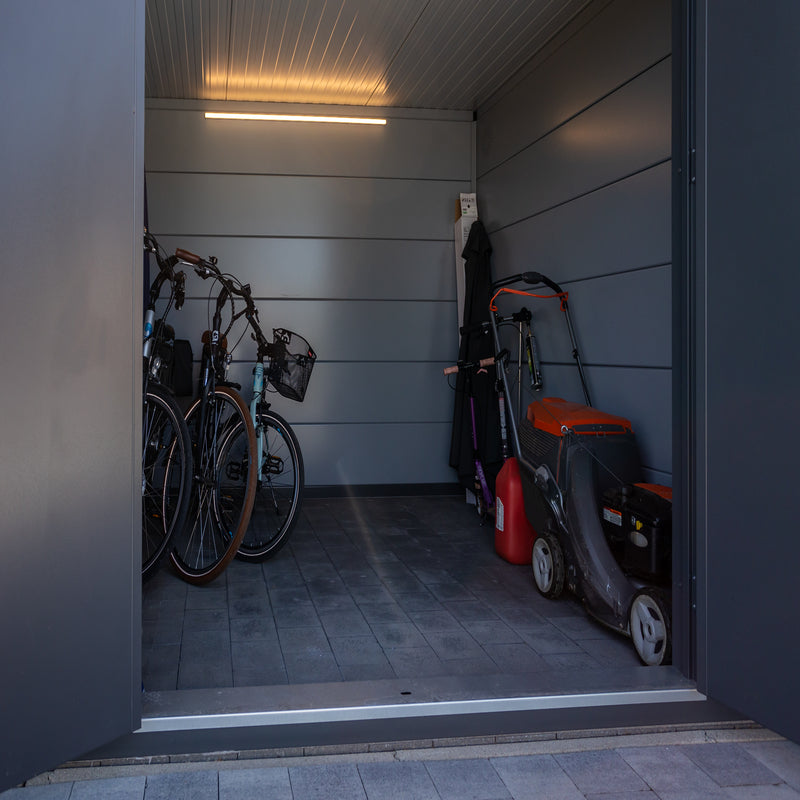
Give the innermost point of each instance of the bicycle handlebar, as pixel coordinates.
(482, 364)
(207, 268)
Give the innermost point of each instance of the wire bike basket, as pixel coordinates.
(291, 363)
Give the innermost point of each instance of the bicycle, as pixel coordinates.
(280, 476)
(224, 448)
(166, 447)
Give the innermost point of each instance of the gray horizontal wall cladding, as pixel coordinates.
(328, 268)
(642, 395)
(184, 141)
(280, 205)
(342, 455)
(364, 391)
(341, 330)
(625, 133)
(596, 59)
(620, 227)
(623, 319)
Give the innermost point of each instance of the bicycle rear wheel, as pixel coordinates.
(223, 486)
(279, 492)
(166, 474)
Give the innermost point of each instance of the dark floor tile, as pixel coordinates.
(198, 597)
(382, 612)
(160, 667)
(345, 622)
(450, 592)
(547, 640)
(417, 601)
(162, 631)
(311, 666)
(515, 658)
(416, 662)
(211, 673)
(296, 616)
(250, 607)
(199, 785)
(492, 631)
(470, 610)
(209, 619)
(295, 640)
(398, 634)
(437, 620)
(350, 650)
(451, 645)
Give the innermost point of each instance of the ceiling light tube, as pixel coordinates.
(296, 118)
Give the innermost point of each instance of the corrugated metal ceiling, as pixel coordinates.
(447, 54)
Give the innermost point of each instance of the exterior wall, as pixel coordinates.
(345, 234)
(70, 316)
(573, 181)
(744, 332)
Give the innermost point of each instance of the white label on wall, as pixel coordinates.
(614, 517)
(498, 514)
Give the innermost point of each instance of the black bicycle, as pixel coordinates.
(284, 365)
(223, 444)
(166, 446)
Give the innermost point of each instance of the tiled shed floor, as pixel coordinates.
(368, 589)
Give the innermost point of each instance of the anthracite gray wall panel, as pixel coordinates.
(183, 141)
(301, 205)
(625, 132)
(746, 334)
(614, 229)
(70, 579)
(346, 237)
(402, 269)
(581, 192)
(569, 76)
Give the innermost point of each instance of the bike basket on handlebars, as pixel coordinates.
(291, 364)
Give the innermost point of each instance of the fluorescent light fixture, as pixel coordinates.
(296, 118)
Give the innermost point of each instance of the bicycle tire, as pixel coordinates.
(166, 474)
(279, 491)
(223, 487)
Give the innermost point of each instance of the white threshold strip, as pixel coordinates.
(405, 710)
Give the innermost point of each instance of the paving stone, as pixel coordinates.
(781, 757)
(392, 780)
(255, 784)
(535, 778)
(54, 791)
(730, 764)
(667, 769)
(467, 779)
(129, 788)
(600, 771)
(195, 785)
(326, 782)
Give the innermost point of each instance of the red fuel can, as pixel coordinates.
(513, 534)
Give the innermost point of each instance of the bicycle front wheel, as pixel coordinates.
(223, 486)
(279, 491)
(166, 474)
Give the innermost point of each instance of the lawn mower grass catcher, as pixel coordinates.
(600, 531)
